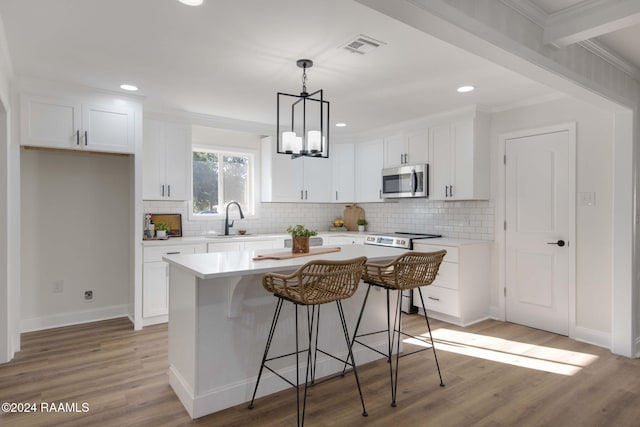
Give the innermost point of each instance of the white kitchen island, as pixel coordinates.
(219, 319)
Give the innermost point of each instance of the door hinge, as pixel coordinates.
(505, 291)
(505, 226)
(504, 159)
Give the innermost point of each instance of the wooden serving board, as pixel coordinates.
(289, 254)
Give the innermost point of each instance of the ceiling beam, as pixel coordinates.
(593, 22)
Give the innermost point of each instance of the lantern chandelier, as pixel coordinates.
(303, 121)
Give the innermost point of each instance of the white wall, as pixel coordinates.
(75, 229)
(594, 224)
(9, 332)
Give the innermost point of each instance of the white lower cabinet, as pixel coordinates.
(155, 280)
(245, 245)
(461, 292)
(343, 240)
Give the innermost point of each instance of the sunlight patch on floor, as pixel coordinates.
(514, 353)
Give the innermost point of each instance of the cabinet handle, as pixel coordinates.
(435, 299)
(336, 195)
(451, 191)
(162, 190)
(172, 253)
(78, 137)
(305, 194)
(380, 194)
(301, 194)
(446, 191)
(168, 190)
(86, 138)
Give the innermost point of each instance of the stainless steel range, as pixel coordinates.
(400, 240)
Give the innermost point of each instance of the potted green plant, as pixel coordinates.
(300, 238)
(361, 224)
(162, 230)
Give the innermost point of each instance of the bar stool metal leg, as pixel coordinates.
(353, 362)
(274, 322)
(433, 346)
(397, 317)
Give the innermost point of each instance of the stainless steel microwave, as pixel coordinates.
(405, 181)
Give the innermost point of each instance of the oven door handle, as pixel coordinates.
(414, 181)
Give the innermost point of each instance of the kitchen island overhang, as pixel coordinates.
(219, 316)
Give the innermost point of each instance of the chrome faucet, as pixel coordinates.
(227, 226)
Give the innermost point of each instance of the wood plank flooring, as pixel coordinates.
(122, 375)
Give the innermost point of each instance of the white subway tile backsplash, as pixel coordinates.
(468, 219)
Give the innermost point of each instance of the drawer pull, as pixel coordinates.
(435, 299)
(172, 253)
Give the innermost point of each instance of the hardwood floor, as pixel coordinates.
(122, 376)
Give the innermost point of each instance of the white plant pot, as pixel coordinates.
(361, 228)
(161, 234)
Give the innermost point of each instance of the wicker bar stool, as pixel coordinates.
(408, 271)
(313, 284)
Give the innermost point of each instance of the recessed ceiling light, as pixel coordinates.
(463, 89)
(191, 2)
(130, 88)
(340, 125)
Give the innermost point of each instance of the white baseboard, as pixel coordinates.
(591, 336)
(74, 318)
(223, 397)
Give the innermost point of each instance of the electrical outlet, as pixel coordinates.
(88, 295)
(57, 287)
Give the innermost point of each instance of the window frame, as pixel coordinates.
(249, 211)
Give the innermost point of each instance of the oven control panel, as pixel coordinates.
(396, 242)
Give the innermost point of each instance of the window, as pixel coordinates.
(219, 177)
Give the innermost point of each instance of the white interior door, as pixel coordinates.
(537, 234)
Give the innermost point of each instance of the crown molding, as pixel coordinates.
(611, 57)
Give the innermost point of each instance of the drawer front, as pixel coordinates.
(225, 246)
(260, 244)
(452, 251)
(447, 275)
(155, 253)
(438, 299)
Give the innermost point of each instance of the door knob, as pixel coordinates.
(559, 243)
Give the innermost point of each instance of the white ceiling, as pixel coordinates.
(229, 57)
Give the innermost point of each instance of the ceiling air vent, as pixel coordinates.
(362, 44)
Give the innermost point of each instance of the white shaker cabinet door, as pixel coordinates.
(50, 122)
(369, 161)
(441, 164)
(177, 138)
(155, 298)
(108, 128)
(343, 173)
(316, 179)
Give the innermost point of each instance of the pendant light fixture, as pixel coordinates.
(302, 124)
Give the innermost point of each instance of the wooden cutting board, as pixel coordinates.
(352, 214)
(289, 254)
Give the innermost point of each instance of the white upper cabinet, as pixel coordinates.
(305, 179)
(343, 179)
(368, 165)
(75, 125)
(167, 148)
(405, 148)
(459, 159)
(316, 179)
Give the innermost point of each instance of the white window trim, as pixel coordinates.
(249, 211)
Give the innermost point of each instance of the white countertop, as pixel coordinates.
(226, 264)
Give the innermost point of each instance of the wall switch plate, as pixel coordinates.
(588, 199)
(57, 287)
